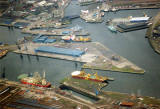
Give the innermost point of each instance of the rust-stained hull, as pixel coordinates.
(38, 85)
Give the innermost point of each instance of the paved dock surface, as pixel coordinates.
(96, 56)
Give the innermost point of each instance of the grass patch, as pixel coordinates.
(114, 68)
(126, 69)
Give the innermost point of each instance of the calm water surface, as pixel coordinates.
(131, 45)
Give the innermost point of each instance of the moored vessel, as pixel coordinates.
(87, 76)
(3, 53)
(112, 28)
(36, 80)
(73, 38)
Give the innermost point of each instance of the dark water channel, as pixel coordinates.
(131, 45)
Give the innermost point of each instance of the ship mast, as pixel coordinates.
(43, 79)
(44, 75)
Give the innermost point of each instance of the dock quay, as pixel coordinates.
(116, 5)
(153, 34)
(91, 16)
(20, 23)
(6, 22)
(131, 27)
(118, 20)
(56, 32)
(8, 47)
(50, 24)
(108, 99)
(80, 91)
(102, 58)
(87, 2)
(19, 96)
(88, 89)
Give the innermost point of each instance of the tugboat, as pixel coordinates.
(3, 53)
(36, 80)
(112, 28)
(94, 77)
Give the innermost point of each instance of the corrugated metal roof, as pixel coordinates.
(40, 39)
(49, 40)
(63, 51)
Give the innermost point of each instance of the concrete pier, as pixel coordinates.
(96, 56)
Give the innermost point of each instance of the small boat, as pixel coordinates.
(102, 14)
(112, 28)
(3, 53)
(36, 80)
(85, 76)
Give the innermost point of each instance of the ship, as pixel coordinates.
(86, 76)
(139, 19)
(3, 53)
(127, 104)
(36, 80)
(73, 38)
(112, 28)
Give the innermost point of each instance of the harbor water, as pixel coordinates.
(131, 45)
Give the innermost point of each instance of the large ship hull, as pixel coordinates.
(39, 85)
(92, 79)
(3, 53)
